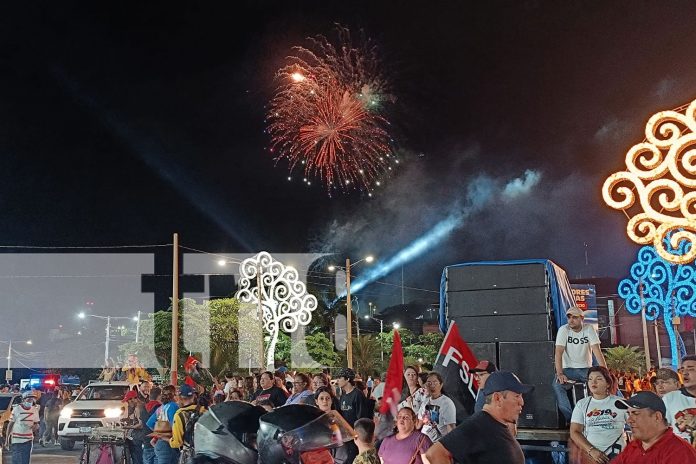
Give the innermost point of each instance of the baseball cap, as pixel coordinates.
(643, 400)
(575, 311)
(28, 394)
(484, 366)
(186, 390)
(131, 394)
(505, 381)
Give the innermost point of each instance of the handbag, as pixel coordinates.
(417, 451)
(162, 428)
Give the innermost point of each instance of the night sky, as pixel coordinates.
(121, 123)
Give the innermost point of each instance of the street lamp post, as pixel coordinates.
(107, 339)
(8, 373)
(381, 331)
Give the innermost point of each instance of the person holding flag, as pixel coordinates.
(453, 362)
(393, 386)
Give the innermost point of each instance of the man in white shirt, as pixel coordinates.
(575, 344)
(681, 404)
(24, 422)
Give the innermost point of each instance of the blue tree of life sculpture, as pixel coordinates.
(668, 290)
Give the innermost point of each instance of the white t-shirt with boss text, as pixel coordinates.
(577, 345)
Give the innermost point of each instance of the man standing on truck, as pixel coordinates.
(575, 344)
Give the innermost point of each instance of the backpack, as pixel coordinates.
(189, 418)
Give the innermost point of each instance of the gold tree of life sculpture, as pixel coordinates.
(657, 191)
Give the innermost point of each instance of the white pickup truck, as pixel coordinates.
(99, 404)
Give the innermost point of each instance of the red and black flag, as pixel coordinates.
(453, 363)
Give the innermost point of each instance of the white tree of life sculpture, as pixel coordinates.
(284, 298)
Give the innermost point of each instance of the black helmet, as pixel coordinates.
(226, 433)
(288, 431)
(346, 372)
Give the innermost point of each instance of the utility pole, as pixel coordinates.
(349, 314)
(9, 359)
(403, 300)
(657, 345)
(106, 342)
(175, 312)
(137, 328)
(646, 345)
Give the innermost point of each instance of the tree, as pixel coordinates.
(387, 340)
(426, 349)
(625, 358)
(224, 335)
(318, 346)
(366, 354)
(213, 324)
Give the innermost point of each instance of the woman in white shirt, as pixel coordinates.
(597, 425)
(413, 395)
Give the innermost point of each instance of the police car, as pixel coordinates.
(98, 405)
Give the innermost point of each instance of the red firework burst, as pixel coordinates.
(327, 114)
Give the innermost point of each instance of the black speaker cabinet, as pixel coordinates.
(531, 361)
(533, 364)
(506, 301)
(487, 351)
(488, 277)
(540, 410)
(483, 329)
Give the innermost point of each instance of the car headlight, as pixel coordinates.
(65, 413)
(112, 413)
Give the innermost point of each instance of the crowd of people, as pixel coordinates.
(622, 418)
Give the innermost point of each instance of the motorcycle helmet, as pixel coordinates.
(226, 433)
(286, 432)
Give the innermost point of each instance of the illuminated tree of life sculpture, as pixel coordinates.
(284, 298)
(668, 290)
(661, 175)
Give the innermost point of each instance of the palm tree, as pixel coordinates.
(625, 358)
(366, 355)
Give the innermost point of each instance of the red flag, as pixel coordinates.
(394, 381)
(190, 364)
(453, 363)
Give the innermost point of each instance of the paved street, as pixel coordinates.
(50, 455)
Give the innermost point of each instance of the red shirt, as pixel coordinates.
(668, 449)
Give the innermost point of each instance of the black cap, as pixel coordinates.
(505, 381)
(484, 366)
(643, 400)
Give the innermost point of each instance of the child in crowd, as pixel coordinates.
(365, 441)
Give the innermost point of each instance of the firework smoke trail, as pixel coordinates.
(481, 192)
(326, 114)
